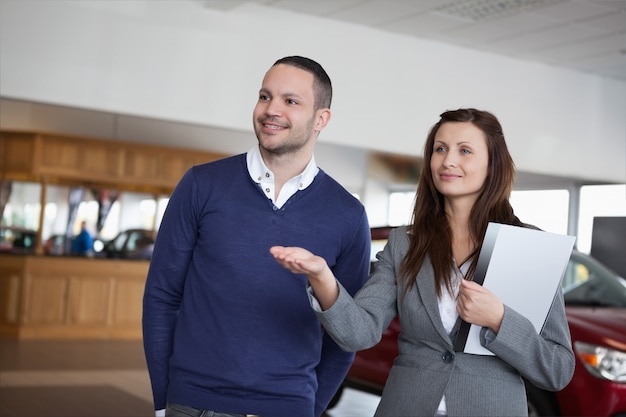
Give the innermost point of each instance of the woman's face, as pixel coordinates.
(460, 160)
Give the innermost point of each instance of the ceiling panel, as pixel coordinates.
(422, 25)
(608, 23)
(315, 8)
(560, 36)
(374, 13)
(493, 31)
(572, 11)
(584, 35)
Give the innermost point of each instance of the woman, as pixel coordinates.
(424, 274)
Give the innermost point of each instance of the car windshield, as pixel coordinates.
(589, 283)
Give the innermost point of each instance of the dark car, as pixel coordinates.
(129, 244)
(595, 305)
(57, 245)
(17, 240)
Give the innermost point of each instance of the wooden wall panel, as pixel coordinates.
(88, 301)
(100, 160)
(128, 302)
(45, 299)
(107, 163)
(69, 297)
(143, 166)
(10, 296)
(17, 152)
(59, 156)
(175, 166)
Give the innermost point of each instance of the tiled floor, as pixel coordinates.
(96, 379)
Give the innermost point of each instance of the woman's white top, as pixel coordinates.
(447, 311)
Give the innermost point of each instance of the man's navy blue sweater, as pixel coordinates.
(226, 328)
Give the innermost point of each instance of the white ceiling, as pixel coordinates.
(584, 35)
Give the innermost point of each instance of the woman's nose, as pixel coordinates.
(449, 162)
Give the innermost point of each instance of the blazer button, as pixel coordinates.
(447, 357)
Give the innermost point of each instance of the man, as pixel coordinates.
(82, 244)
(226, 328)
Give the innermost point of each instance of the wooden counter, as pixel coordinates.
(48, 297)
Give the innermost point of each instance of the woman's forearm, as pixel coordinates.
(324, 287)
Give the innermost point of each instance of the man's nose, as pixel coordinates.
(274, 107)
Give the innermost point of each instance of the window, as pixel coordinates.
(597, 201)
(128, 210)
(22, 207)
(160, 211)
(546, 209)
(400, 207)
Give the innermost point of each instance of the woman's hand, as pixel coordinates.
(321, 278)
(298, 260)
(477, 305)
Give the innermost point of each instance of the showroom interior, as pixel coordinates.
(180, 78)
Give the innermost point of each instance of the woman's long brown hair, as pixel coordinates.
(429, 232)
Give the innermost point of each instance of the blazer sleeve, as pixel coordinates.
(358, 323)
(545, 359)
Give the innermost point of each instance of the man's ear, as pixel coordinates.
(323, 117)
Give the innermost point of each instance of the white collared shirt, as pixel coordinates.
(448, 313)
(266, 179)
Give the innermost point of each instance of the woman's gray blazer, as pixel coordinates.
(427, 366)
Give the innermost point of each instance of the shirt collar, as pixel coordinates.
(259, 172)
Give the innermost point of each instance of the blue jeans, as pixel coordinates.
(177, 410)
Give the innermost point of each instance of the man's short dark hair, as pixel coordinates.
(322, 87)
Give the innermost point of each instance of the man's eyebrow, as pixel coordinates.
(285, 95)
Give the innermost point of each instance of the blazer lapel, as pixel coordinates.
(425, 283)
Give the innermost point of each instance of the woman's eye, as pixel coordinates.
(466, 151)
(263, 98)
(440, 149)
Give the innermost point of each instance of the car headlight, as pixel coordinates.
(602, 362)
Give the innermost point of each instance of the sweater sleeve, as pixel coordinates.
(333, 367)
(165, 282)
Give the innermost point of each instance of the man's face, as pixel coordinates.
(285, 119)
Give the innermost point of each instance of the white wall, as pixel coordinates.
(176, 60)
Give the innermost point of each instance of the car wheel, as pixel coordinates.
(333, 402)
(541, 403)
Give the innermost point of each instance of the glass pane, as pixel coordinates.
(161, 206)
(546, 209)
(135, 211)
(598, 201)
(111, 224)
(23, 206)
(400, 207)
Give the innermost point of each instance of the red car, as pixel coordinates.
(595, 304)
